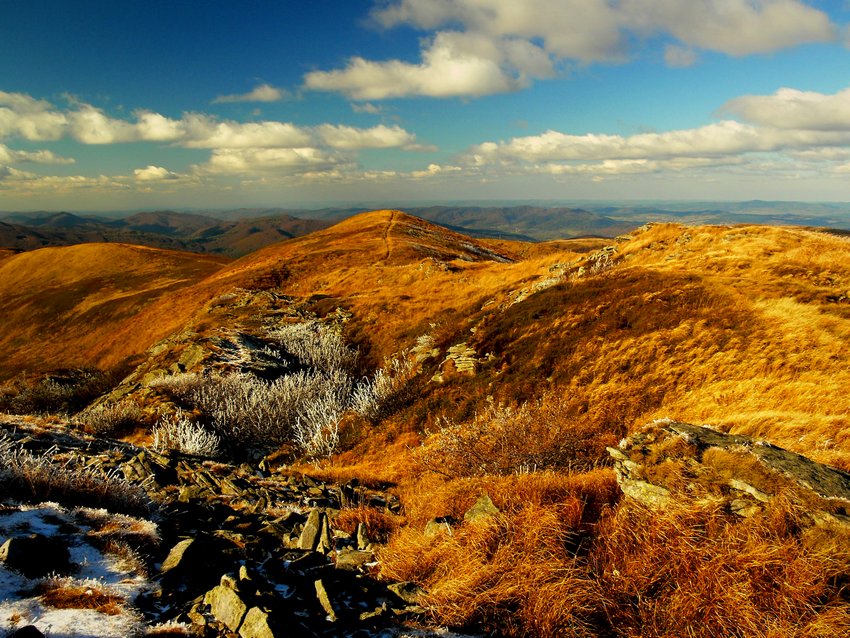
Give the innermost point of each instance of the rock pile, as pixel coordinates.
(247, 552)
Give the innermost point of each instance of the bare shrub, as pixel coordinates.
(304, 406)
(316, 428)
(36, 478)
(108, 419)
(182, 435)
(179, 386)
(60, 392)
(372, 398)
(505, 439)
(316, 345)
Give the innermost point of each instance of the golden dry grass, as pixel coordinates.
(63, 306)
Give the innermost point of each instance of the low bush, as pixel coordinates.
(61, 392)
(305, 406)
(504, 440)
(110, 419)
(35, 478)
(182, 435)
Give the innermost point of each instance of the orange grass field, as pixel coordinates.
(745, 328)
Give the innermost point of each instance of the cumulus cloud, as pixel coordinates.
(793, 109)
(735, 27)
(260, 93)
(35, 120)
(287, 161)
(9, 156)
(350, 137)
(154, 174)
(453, 64)
(503, 45)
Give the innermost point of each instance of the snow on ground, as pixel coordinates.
(97, 572)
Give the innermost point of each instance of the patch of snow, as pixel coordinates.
(96, 570)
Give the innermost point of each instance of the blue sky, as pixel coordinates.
(108, 106)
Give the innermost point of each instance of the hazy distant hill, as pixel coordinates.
(159, 229)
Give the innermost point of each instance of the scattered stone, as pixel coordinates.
(28, 631)
(256, 624)
(325, 600)
(353, 559)
(410, 593)
(312, 531)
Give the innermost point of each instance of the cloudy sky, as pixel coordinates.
(125, 105)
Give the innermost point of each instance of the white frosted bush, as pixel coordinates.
(182, 435)
(316, 345)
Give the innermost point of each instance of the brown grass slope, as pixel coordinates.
(63, 306)
(746, 328)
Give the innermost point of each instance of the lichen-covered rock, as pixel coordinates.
(667, 459)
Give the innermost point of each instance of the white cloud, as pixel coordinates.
(366, 107)
(734, 27)
(679, 57)
(282, 161)
(9, 156)
(154, 174)
(793, 109)
(502, 45)
(453, 64)
(204, 131)
(260, 93)
(351, 138)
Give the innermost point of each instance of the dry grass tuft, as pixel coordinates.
(379, 525)
(63, 593)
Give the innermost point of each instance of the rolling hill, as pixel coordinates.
(507, 368)
(62, 305)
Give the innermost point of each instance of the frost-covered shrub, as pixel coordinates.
(182, 435)
(316, 345)
(303, 405)
(108, 419)
(32, 477)
(373, 397)
(179, 385)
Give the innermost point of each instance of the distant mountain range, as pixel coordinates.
(234, 233)
(160, 229)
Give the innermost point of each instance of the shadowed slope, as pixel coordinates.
(61, 305)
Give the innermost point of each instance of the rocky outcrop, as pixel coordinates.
(668, 460)
(244, 551)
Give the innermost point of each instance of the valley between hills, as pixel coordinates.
(384, 427)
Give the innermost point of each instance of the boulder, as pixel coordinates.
(666, 459)
(36, 555)
(257, 624)
(226, 605)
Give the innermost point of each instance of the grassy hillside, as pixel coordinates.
(62, 306)
(522, 362)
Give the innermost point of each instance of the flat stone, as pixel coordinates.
(256, 624)
(410, 593)
(226, 605)
(325, 600)
(353, 559)
(309, 538)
